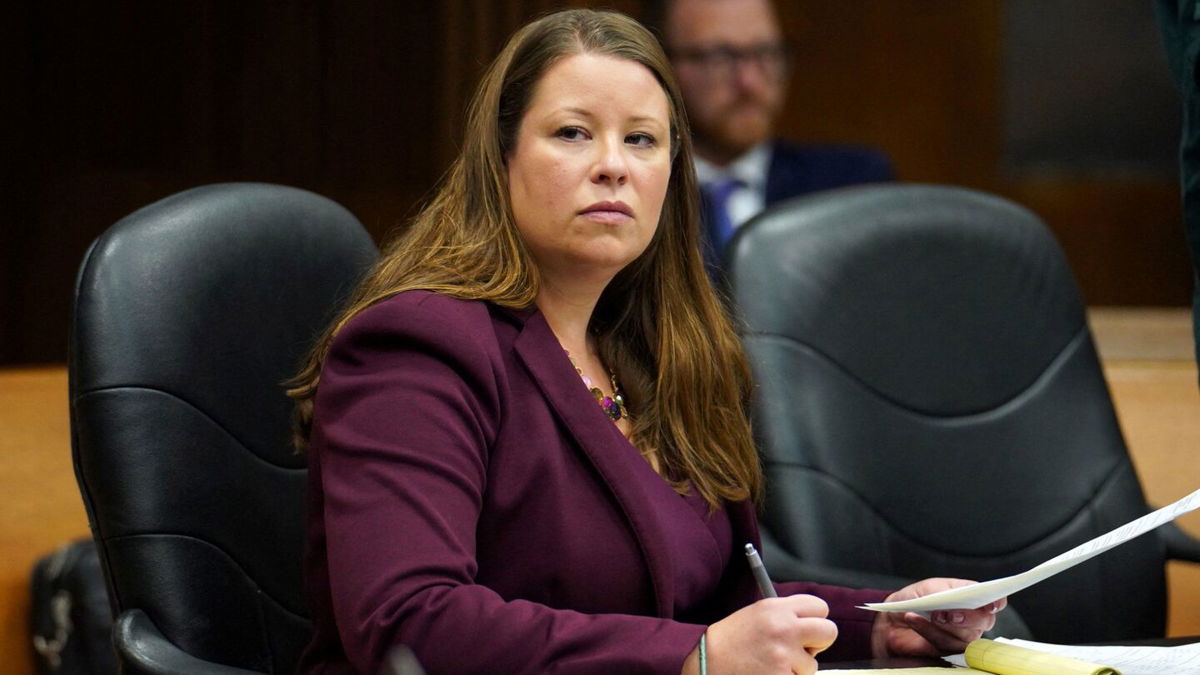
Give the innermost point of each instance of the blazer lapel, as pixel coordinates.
(541, 353)
(785, 176)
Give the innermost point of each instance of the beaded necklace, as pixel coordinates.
(613, 406)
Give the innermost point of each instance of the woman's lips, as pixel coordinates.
(608, 212)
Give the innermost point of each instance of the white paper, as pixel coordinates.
(978, 595)
(1128, 660)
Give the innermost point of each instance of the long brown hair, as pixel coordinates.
(658, 324)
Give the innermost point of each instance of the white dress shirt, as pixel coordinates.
(751, 169)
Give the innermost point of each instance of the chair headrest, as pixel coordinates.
(214, 295)
(895, 281)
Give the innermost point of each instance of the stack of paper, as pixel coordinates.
(1007, 659)
(1023, 657)
(1126, 660)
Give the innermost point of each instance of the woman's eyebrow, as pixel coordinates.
(645, 118)
(584, 112)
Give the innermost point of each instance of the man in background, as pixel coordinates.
(1179, 21)
(731, 59)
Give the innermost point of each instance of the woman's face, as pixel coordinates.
(590, 168)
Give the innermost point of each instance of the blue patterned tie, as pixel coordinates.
(720, 227)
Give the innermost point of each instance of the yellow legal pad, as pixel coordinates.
(986, 656)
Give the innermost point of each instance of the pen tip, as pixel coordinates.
(750, 548)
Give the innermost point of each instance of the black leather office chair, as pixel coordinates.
(188, 316)
(930, 403)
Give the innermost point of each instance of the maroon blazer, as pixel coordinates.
(468, 498)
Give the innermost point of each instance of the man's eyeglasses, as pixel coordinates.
(721, 62)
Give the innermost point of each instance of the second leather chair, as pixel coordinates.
(930, 403)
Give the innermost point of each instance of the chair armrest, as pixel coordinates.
(783, 566)
(1180, 544)
(143, 650)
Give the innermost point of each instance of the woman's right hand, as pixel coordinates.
(774, 635)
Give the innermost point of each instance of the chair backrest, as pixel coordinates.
(189, 315)
(929, 401)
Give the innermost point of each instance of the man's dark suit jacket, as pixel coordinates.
(470, 499)
(1179, 22)
(797, 170)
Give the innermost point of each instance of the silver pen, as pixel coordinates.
(765, 587)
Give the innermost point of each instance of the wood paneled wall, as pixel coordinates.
(924, 79)
(110, 106)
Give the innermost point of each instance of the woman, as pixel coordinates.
(528, 446)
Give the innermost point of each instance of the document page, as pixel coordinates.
(1122, 660)
(1003, 657)
(978, 595)
(921, 670)
(1129, 660)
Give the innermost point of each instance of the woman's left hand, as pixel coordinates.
(945, 632)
